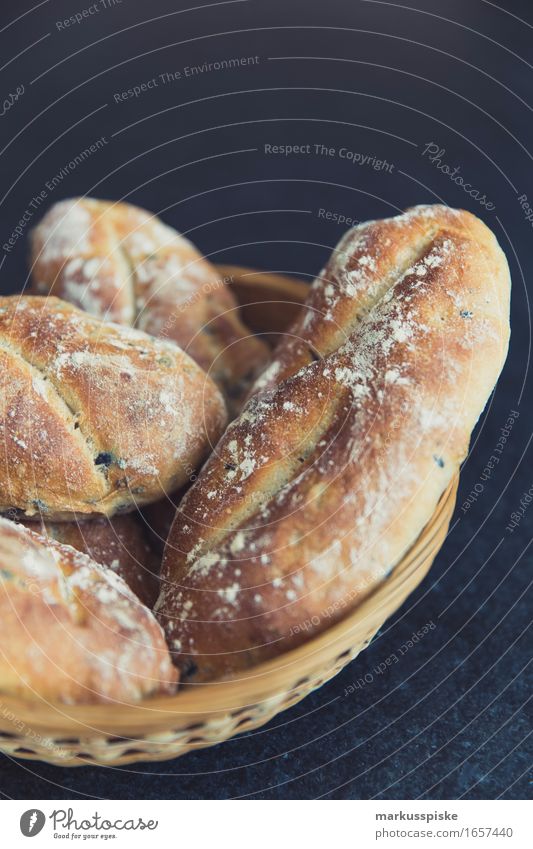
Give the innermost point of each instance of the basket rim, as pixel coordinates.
(265, 280)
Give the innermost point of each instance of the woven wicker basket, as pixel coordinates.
(202, 715)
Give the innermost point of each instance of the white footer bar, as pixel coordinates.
(267, 824)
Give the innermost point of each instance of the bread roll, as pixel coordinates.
(72, 631)
(324, 482)
(120, 263)
(119, 543)
(95, 418)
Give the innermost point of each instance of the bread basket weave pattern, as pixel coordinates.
(205, 714)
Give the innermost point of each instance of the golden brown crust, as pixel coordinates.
(122, 264)
(361, 269)
(119, 543)
(322, 484)
(95, 418)
(74, 632)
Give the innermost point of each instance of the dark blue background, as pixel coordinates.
(452, 719)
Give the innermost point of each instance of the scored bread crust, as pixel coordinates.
(119, 543)
(123, 264)
(322, 484)
(75, 632)
(368, 259)
(95, 418)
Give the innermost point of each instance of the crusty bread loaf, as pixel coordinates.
(119, 543)
(120, 263)
(95, 418)
(324, 482)
(72, 630)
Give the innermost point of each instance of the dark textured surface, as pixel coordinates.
(451, 717)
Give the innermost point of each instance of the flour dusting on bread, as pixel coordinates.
(335, 466)
(95, 418)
